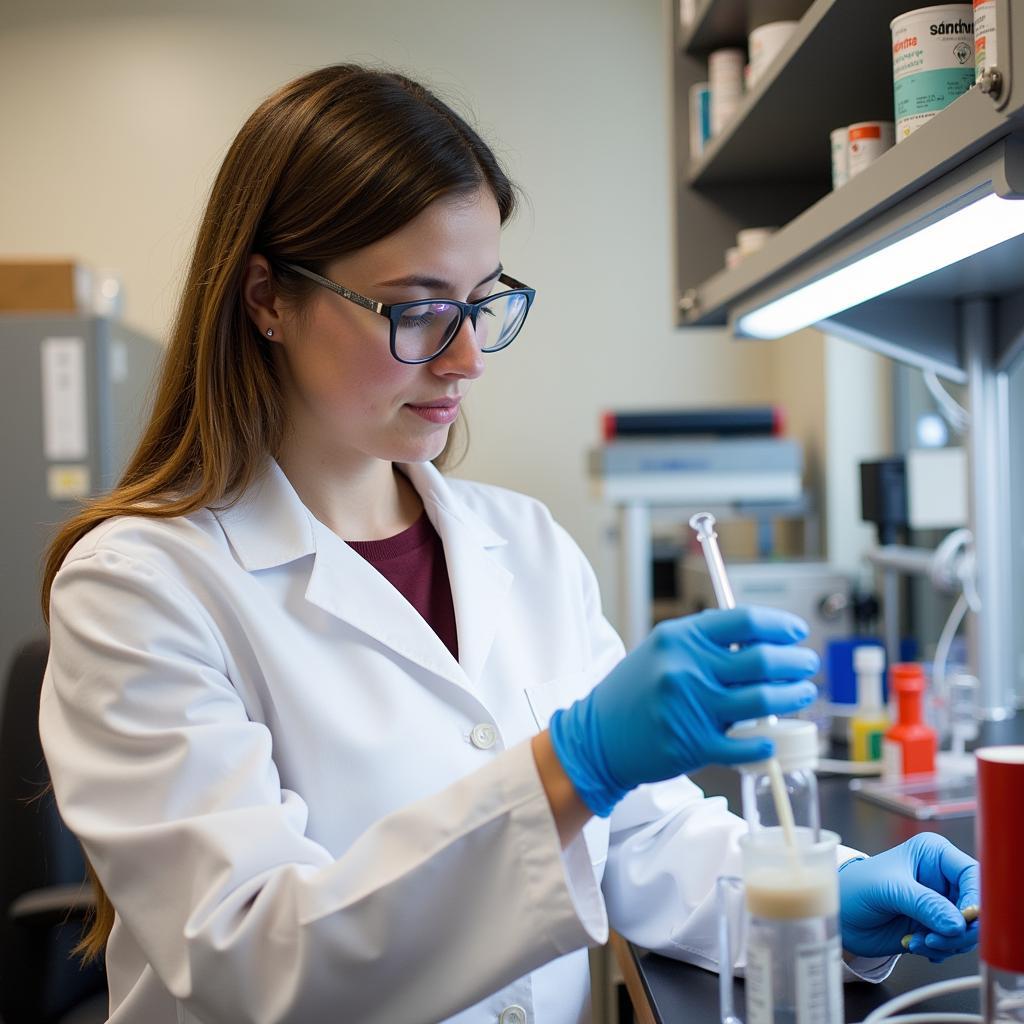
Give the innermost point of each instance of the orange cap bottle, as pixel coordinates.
(909, 744)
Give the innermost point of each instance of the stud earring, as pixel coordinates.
(270, 332)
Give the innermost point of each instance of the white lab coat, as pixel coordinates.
(271, 762)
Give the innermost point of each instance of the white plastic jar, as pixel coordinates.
(725, 78)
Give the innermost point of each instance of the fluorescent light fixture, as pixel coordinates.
(970, 230)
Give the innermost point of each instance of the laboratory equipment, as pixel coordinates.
(1000, 835)
(793, 955)
(738, 422)
(703, 524)
(73, 397)
(716, 470)
(922, 796)
(870, 722)
(818, 592)
(796, 753)
(962, 693)
(909, 744)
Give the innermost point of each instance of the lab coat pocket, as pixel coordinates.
(544, 700)
(547, 697)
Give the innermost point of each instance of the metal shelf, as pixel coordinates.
(771, 165)
(883, 199)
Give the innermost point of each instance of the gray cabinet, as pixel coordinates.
(73, 395)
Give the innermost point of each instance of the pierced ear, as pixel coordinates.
(259, 297)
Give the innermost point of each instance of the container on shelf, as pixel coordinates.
(733, 257)
(839, 140)
(725, 77)
(750, 240)
(765, 43)
(700, 118)
(866, 142)
(932, 62)
(985, 55)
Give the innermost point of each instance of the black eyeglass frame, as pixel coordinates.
(394, 311)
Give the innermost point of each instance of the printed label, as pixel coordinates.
(933, 64)
(819, 983)
(65, 433)
(760, 1008)
(984, 34)
(867, 131)
(875, 738)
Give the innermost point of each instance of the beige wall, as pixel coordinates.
(125, 109)
(116, 115)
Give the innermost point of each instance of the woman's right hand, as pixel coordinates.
(664, 709)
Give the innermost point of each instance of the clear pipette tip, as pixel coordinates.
(703, 524)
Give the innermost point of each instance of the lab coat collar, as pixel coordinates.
(270, 526)
(480, 583)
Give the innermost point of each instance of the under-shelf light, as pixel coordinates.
(965, 232)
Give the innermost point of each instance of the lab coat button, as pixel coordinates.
(512, 1015)
(482, 737)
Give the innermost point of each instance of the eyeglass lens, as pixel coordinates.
(424, 329)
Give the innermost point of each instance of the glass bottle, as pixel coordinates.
(796, 754)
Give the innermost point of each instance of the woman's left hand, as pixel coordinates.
(918, 888)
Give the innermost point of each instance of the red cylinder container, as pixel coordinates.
(1000, 840)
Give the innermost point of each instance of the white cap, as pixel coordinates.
(749, 240)
(796, 742)
(868, 658)
(868, 664)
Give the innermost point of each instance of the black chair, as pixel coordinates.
(43, 893)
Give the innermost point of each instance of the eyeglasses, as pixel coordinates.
(422, 330)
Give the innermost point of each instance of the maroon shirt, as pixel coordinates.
(413, 563)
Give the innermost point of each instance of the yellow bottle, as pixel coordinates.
(868, 725)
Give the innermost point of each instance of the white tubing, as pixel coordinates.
(940, 988)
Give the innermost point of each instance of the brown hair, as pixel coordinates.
(329, 163)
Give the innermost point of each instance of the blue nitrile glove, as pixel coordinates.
(664, 709)
(916, 888)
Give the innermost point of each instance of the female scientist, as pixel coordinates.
(304, 699)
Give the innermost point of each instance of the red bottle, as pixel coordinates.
(909, 744)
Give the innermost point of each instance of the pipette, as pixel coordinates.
(703, 524)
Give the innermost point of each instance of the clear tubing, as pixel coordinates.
(703, 524)
(883, 1014)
